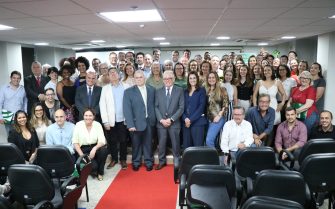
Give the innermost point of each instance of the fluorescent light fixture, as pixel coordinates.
(77, 48)
(158, 38)
(332, 17)
(6, 27)
(223, 37)
(98, 41)
(288, 37)
(133, 16)
(120, 46)
(164, 43)
(262, 44)
(215, 44)
(41, 44)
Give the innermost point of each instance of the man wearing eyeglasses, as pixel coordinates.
(169, 106)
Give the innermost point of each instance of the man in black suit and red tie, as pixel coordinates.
(34, 85)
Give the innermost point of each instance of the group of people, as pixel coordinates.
(227, 104)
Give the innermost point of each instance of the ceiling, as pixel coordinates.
(73, 23)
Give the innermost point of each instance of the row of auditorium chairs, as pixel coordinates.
(49, 183)
(257, 177)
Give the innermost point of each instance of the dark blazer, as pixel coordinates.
(81, 99)
(32, 90)
(134, 109)
(195, 106)
(176, 107)
(17, 139)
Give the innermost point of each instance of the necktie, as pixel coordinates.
(168, 98)
(89, 96)
(38, 81)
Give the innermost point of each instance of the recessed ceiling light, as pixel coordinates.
(41, 44)
(288, 37)
(133, 16)
(6, 27)
(223, 37)
(332, 17)
(141, 26)
(77, 48)
(98, 41)
(120, 46)
(164, 43)
(262, 44)
(158, 38)
(215, 44)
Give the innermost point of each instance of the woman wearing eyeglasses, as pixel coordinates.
(39, 121)
(50, 105)
(303, 100)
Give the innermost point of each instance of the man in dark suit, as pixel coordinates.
(139, 113)
(88, 95)
(169, 106)
(34, 85)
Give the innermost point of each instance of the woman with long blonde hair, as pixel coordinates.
(39, 121)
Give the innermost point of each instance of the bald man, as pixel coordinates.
(60, 132)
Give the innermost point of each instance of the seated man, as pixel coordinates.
(262, 118)
(326, 129)
(236, 134)
(291, 134)
(60, 132)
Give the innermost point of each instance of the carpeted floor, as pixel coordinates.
(141, 190)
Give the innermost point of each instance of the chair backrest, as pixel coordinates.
(9, 155)
(252, 160)
(282, 184)
(198, 155)
(71, 198)
(316, 146)
(211, 185)
(262, 202)
(319, 171)
(30, 184)
(56, 160)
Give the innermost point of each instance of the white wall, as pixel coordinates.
(52, 55)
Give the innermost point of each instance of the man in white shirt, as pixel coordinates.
(236, 134)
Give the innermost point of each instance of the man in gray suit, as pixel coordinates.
(139, 113)
(169, 106)
(88, 95)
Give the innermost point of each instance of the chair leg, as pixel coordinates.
(87, 198)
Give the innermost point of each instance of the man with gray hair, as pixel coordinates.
(169, 107)
(88, 96)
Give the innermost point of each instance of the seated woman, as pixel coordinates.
(88, 138)
(39, 121)
(50, 105)
(24, 136)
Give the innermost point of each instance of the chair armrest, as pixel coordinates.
(250, 187)
(290, 158)
(73, 180)
(83, 158)
(44, 204)
(239, 188)
(182, 187)
(233, 162)
(176, 172)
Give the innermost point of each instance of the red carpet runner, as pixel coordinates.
(141, 190)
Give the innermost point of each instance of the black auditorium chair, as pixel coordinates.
(263, 202)
(314, 146)
(30, 185)
(211, 186)
(9, 155)
(319, 173)
(283, 184)
(249, 162)
(44, 205)
(84, 168)
(193, 156)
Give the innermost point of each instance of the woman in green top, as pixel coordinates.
(156, 79)
(179, 72)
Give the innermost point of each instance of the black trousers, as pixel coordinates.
(117, 135)
(99, 160)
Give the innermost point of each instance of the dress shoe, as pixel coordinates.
(124, 165)
(111, 164)
(149, 168)
(160, 166)
(136, 168)
(100, 177)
